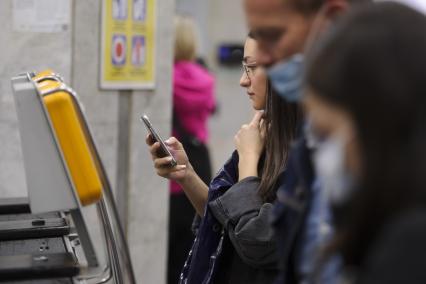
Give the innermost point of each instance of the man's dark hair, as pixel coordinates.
(313, 6)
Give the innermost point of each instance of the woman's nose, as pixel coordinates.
(244, 80)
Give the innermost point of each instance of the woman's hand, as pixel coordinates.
(162, 165)
(183, 173)
(249, 142)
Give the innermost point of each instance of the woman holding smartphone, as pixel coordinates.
(234, 242)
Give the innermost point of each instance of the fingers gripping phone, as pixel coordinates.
(163, 151)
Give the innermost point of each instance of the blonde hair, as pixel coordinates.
(185, 39)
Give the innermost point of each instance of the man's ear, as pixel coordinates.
(334, 8)
(328, 13)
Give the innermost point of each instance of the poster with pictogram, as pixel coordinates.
(128, 45)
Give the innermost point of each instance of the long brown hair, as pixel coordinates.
(280, 122)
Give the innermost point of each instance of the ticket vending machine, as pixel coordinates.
(64, 173)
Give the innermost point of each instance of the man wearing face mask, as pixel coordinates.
(284, 29)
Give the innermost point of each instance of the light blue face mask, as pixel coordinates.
(286, 78)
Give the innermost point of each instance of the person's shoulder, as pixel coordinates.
(399, 252)
(202, 71)
(190, 66)
(189, 70)
(403, 233)
(410, 224)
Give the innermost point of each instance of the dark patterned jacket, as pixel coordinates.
(235, 225)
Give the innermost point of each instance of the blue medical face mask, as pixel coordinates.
(286, 78)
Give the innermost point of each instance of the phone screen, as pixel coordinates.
(163, 151)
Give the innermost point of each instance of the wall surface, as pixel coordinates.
(221, 21)
(226, 24)
(20, 52)
(74, 53)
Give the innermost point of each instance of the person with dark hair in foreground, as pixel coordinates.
(366, 98)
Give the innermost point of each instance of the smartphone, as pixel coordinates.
(163, 151)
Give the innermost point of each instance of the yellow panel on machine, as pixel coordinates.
(69, 131)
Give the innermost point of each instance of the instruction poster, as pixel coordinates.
(43, 16)
(128, 44)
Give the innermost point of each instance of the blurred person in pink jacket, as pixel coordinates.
(193, 104)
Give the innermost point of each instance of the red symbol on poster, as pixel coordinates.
(118, 51)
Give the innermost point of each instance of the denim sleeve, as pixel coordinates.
(246, 217)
